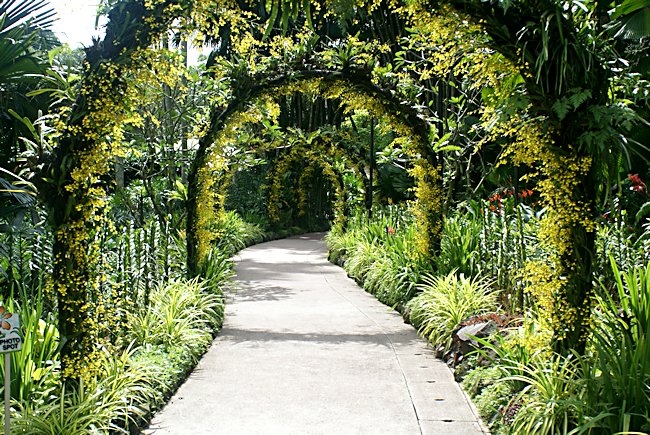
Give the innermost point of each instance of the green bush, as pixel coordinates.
(339, 244)
(216, 271)
(236, 234)
(446, 301)
(460, 246)
(115, 399)
(34, 368)
(182, 314)
(169, 367)
(605, 390)
(552, 401)
(493, 243)
(380, 254)
(619, 375)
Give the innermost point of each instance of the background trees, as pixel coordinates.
(501, 139)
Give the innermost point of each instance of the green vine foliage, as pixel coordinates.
(313, 152)
(519, 83)
(260, 104)
(91, 133)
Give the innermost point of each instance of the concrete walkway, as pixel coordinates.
(304, 350)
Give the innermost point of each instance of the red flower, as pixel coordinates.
(637, 184)
(391, 231)
(634, 178)
(525, 193)
(495, 197)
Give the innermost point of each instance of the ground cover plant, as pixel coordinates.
(517, 382)
(164, 328)
(474, 161)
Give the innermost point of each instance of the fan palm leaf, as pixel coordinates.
(633, 17)
(20, 21)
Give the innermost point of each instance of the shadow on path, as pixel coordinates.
(304, 350)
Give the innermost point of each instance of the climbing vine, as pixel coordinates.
(453, 43)
(96, 139)
(318, 152)
(206, 205)
(559, 173)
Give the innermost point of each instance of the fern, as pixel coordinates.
(579, 97)
(561, 108)
(576, 98)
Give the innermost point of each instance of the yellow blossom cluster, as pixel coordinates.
(95, 135)
(311, 154)
(559, 173)
(427, 209)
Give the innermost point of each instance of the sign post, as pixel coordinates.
(10, 341)
(7, 393)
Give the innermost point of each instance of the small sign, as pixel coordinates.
(10, 340)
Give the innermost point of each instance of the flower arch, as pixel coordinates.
(355, 91)
(92, 131)
(74, 192)
(310, 155)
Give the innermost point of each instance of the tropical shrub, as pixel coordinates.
(169, 367)
(381, 253)
(494, 238)
(164, 325)
(606, 390)
(627, 245)
(109, 403)
(492, 395)
(235, 234)
(34, 368)
(446, 301)
(618, 378)
(180, 315)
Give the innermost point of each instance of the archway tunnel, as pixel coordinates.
(506, 157)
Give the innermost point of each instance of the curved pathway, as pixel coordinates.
(304, 350)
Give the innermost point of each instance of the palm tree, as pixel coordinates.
(23, 27)
(632, 19)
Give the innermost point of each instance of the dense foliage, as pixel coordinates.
(470, 159)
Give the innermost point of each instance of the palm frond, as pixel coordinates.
(33, 14)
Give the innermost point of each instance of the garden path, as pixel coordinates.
(304, 350)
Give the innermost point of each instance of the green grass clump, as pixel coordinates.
(445, 301)
(380, 254)
(115, 399)
(181, 315)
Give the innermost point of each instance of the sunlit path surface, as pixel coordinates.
(304, 350)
